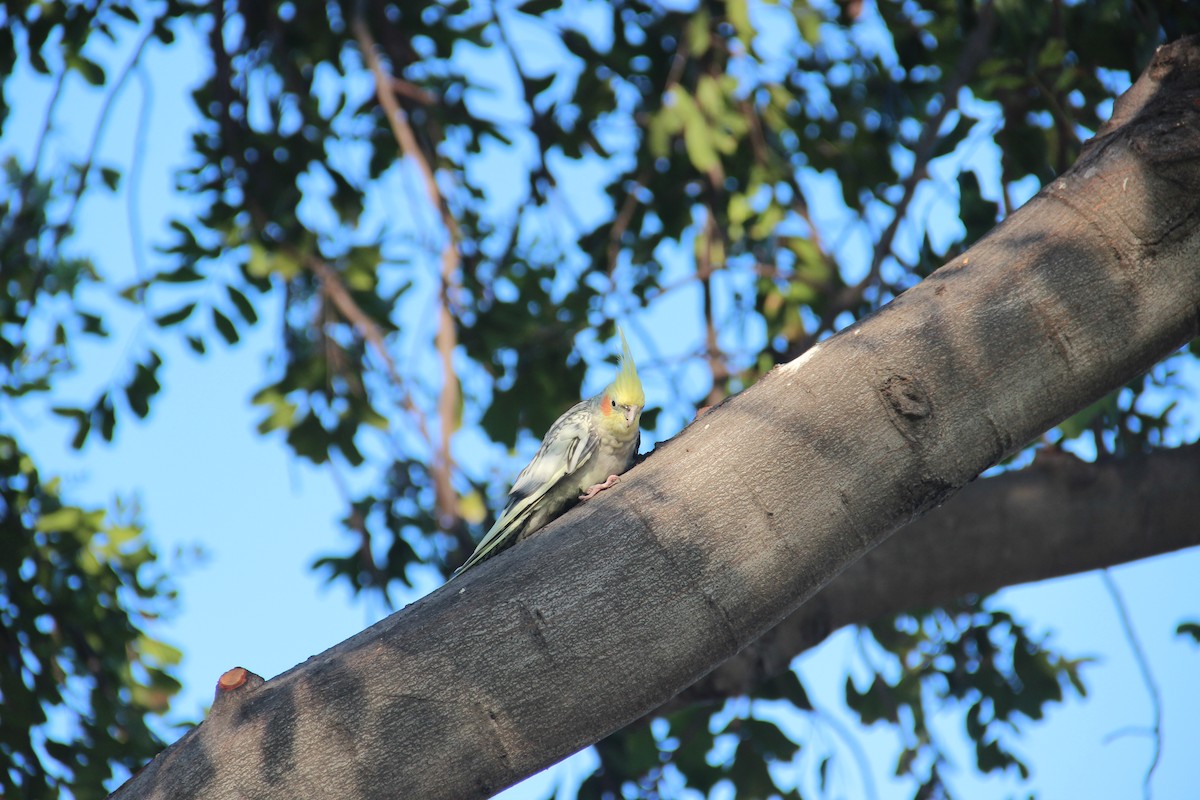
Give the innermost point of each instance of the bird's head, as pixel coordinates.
(622, 401)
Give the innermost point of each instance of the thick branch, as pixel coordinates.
(1059, 517)
(617, 607)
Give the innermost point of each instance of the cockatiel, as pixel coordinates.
(581, 455)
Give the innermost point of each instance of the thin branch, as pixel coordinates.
(446, 338)
(678, 62)
(621, 224)
(412, 91)
(133, 191)
(1065, 124)
(336, 292)
(398, 120)
(47, 120)
(30, 177)
(974, 52)
(1143, 663)
(717, 366)
(101, 124)
(647, 345)
(1127, 730)
(60, 230)
(856, 751)
(625, 215)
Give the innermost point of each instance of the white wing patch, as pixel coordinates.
(566, 447)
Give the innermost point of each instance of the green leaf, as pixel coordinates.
(107, 415)
(224, 326)
(750, 774)
(709, 96)
(309, 439)
(697, 136)
(951, 140)
(183, 274)
(786, 686)
(67, 518)
(82, 429)
(243, 305)
(92, 72)
(1191, 629)
(738, 12)
(265, 263)
(176, 316)
(1053, 54)
(111, 178)
(92, 324)
(159, 652)
(699, 33)
(538, 7)
(535, 86)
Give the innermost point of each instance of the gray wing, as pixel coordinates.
(567, 446)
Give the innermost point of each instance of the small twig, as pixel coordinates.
(223, 79)
(101, 124)
(543, 169)
(625, 215)
(412, 91)
(1139, 655)
(620, 225)
(44, 131)
(1128, 730)
(60, 230)
(133, 190)
(856, 751)
(445, 340)
(678, 62)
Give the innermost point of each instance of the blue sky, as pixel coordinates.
(203, 476)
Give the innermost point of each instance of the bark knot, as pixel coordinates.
(906, 397)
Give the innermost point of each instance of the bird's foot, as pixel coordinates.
(592, 491)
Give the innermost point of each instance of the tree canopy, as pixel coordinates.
(452, 204)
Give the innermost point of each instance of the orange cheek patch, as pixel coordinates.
(605, 406)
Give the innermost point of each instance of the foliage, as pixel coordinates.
(966, 656)
(79, 674)
(774, 169)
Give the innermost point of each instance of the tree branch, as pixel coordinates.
(1059, 517)
(1139, 655)
(975, 50)
(446, 338)
(622, 603)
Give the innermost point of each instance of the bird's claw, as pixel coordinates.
(592, 491)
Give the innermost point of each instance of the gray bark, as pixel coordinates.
(1058, 517)
(731, 526)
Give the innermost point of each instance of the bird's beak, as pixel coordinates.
(631, 413)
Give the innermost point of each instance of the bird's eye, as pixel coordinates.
(613, 403)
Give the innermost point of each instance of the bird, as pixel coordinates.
(582, 454)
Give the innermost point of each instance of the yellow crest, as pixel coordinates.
(626, 388)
